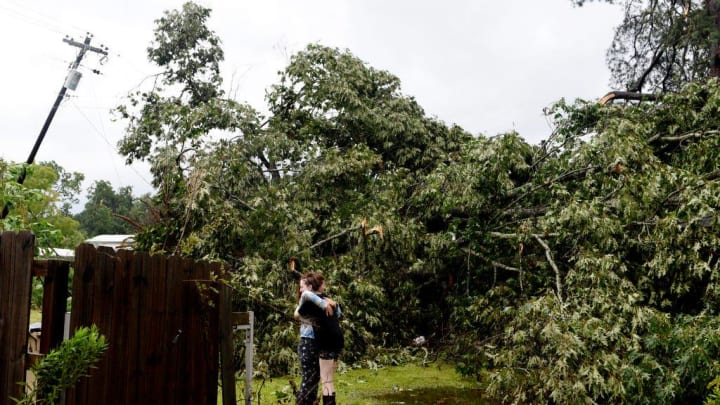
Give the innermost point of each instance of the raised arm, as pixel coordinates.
(326, 304)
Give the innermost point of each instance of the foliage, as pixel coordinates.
(327, 178)
(582, 269)
(111, 212)
(67, 186)
(610, 295)
(663, 44)
(39, 203)
(63, 367)
(172, 122)
(714, 397)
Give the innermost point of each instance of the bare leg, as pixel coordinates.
(327, 371)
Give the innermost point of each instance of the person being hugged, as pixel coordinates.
(321, 339)
(330, 341)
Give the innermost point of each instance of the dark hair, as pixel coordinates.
(314, 280)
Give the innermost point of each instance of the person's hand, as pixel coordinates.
(329, 309)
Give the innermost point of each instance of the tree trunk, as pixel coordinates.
(713, 9)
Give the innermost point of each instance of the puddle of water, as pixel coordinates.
(438, 395)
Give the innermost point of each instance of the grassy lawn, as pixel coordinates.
(35, 315)
(408, 384)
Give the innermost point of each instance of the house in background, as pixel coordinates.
(113, 241)
(57, 253)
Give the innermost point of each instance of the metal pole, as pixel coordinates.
(249, 357)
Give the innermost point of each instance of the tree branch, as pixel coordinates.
(641, 81)
(712, 176)
(546, 183)
(129, 220)
(515, 235)
(685, 136)
(554, 266)
(492, 262)
(505, 266)
(337, 235)
(628, 95)
(233, 197)
(153, 211)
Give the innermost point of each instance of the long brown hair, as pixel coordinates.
(313, 279)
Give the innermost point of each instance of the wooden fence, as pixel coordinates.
(16, 257)
(160, 317)
(158, 313)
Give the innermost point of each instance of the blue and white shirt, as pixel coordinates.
(306, 328)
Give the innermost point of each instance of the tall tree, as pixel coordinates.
(583, 269)
(108, 211)
(609, 273)
(662, 44)
(173, 121)
(328, 178)
(39, 204)
(67, 186)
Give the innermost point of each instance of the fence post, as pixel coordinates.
(249, 336)
(245, 321)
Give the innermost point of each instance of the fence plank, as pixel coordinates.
(6, 373)
(54, 305)
(119, 353)
(81, 313)
(138, 296)
(16, 254)
(102, 310)
(177, 269)
(157, 339)
(201, 320)
(190, 339)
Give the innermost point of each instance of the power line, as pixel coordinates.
(38, 18)
(48, 25)
(113, 148)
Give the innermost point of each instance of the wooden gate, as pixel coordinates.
(159, 315)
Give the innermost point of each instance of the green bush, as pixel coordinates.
(65, 366)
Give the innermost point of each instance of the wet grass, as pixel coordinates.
(408, 384)
(437, 395)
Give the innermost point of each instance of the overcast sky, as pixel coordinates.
(488, 66)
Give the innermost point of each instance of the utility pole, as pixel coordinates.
(71, 82)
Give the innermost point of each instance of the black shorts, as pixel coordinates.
(329, 355)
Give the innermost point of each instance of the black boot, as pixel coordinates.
(329, 399)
